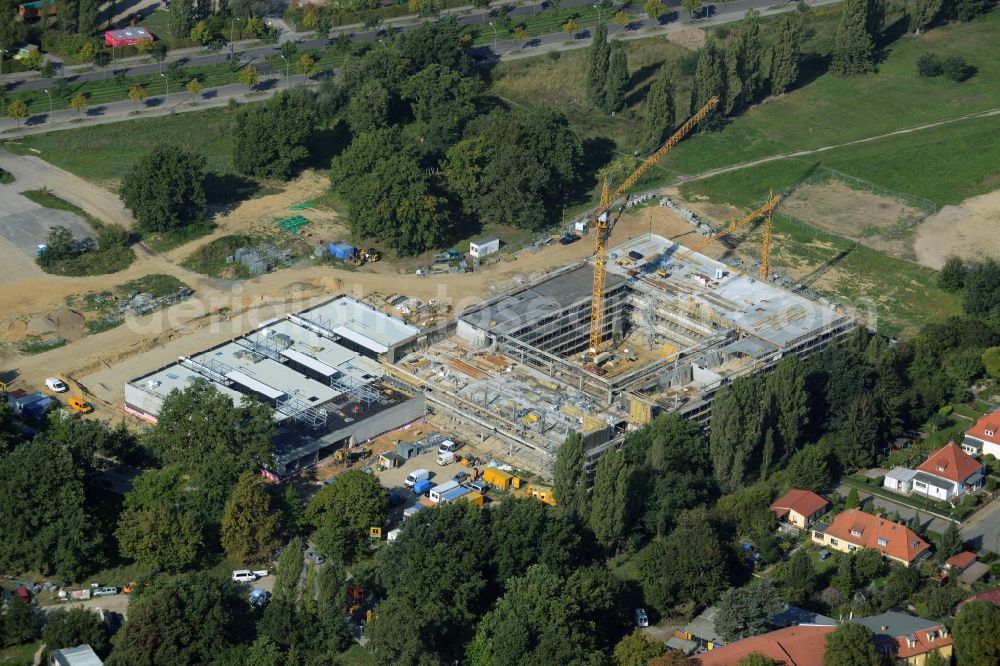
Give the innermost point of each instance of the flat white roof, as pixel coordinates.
(373, 326)
(254, 385)
(310, 362)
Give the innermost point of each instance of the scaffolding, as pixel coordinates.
(357, 389)
(301, 411)
(211, 369)
(270, 346)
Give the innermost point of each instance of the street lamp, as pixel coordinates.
(492, 25)
(600, 17)
(166, 80)
(286, 68)
(50, 100)
(232, 25)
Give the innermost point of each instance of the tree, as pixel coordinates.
(736, 430)
(18, 624)
(201, 33)
(523, 532)
(188, 619)
(670, 658)
(922, 13)
(288, 572)
(249, 77)
(786, 390)
(193, 87)
(58, 244)
(951, 542)
(611, 501)
(78, 103)
(269, 139)
(797, 577)
(976, 633)
(786, 55)
(853, 500)
(570, 478)
(968, 10)
(809, 469)
(863, 429)
(160, 536)
(369, 108)
(982, 288)
(307, 65)
(691, 6)
(442, 102)
(165, 189)
(538, 620)
(991, 361)
(181, 19)
(617, 82)
(709, 81)
(857, 38)
(519, 34)
(570, 27)
(102, 59)
(636, 649)
(77, 626)
(621, 18)
(159, 50)
(756, 659)
(18, 110)
(598, 63)
(660, 105)
(344, 511)
(743, 64)
(746, 611)
(137, 93)
(250, 526)
(952, 275)
(850, 644)
(144, 46)
(654, 9)
(289, 49)
(44, 513)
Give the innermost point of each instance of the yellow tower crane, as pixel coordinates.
(602, 224)
(766, 210)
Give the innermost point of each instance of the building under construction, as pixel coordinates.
(675, 326)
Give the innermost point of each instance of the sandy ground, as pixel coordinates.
(857, 215)
(969, 230)
(692, 39)
(103, 362)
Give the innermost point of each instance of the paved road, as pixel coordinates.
(179, 102)
(982, 531)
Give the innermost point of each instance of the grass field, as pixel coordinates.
(824, 110)
(21, 655)
(104, 153)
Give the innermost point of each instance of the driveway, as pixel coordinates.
(927, 521)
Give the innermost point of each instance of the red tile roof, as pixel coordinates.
(795, 646)
(802, 502)
(868, 531)
(923, 643)
(952, 463)
(989, 422)
(961, 561)
(989, 596)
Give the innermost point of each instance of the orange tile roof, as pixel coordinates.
(989, 596)
(952, 463)
(923, 643)
(989, 422)
(794, 646)
(961, 561)
(802, 502)
(898, 541)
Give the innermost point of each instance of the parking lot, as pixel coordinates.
(393, 478)
(24, 225)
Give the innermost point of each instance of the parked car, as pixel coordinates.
(55, 385)
(80, 405)
(461, 477)
(569, 239)
(641, 619)
(315, 557)
(448, 446)
(244, 576)
(106, 592)
(259, 598)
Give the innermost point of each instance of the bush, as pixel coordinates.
(957, 70)
(554, 55)
(929, 64)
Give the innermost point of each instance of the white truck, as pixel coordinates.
(446, 458)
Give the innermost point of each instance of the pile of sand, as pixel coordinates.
(968, 230)
(62, 323)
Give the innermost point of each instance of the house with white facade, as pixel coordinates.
(947, 474)
(983, 439)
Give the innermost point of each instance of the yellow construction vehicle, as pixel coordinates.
(766, 210)
(602, 225)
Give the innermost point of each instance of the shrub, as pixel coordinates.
(929, 64)
(957, 70)
(554, 55)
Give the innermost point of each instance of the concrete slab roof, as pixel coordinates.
(165, 380)
(361, 319)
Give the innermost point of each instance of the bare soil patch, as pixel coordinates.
(692, 39)
(969, 230)
(879, 222)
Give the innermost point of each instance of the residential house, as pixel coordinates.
(907, 639)
(969, 570)
(855, 529)
(989, 596)
(947, 474)
(800, 508)
(794, 646)
(983, 439)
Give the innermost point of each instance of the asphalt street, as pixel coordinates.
(271, 82)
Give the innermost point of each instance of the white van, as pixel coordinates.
(416, 475)
(244, 576)
(446, 458)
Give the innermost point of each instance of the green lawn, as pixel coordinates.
(20, 655)
(105, 152)
(356, 655)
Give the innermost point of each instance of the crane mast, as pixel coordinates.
(767, 209)
(602, 225)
